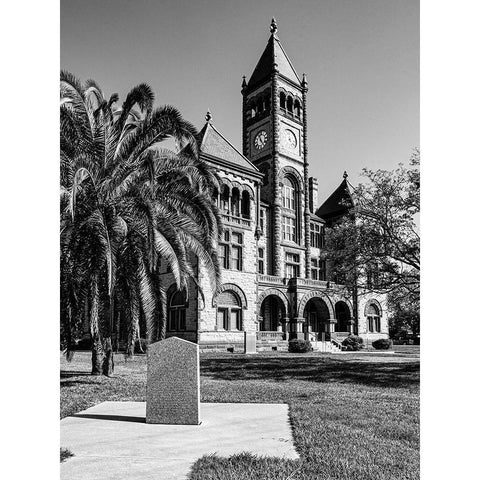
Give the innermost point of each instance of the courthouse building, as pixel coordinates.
(276, 282)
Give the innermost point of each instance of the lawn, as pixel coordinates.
(354, 416)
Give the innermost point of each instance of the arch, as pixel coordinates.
(297, 107)
(293, 172)
(235, 202)
(249, 189)
(245, 204)
(377, 304)
(289, 104)
(317, 315)
(314, 293)
(278, 293)
(225, 198)
(283, 100)
(234, 288)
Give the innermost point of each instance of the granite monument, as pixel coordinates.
(173, 382)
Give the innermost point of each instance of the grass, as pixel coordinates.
(354, 416)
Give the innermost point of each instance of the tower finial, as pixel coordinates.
(345, 175)
(208, 116)
(304, 80)
(244, 83)
(273, 26)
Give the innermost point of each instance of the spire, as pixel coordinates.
(208, 116)
(273, 26)
(345, 175)
(274, 54)
(244, 84)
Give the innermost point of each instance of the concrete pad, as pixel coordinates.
(111, 440)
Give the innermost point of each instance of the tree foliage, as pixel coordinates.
(126, 204)
(377, 245)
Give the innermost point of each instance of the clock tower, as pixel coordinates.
(275, 141)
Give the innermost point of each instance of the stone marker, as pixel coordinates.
(173, 382)
(250, 342)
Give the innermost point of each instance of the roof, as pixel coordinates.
(273, 53)
(337, 203)
(212, 143)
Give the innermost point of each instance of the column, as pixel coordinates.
(305, 181)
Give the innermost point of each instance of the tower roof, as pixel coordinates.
(273, 53)
(338, 203)
(213, 144)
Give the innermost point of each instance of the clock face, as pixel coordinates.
(261, 139)
(290, 139)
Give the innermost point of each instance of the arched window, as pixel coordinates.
(245, 207)
(289, 194)
(229, 311)
(235, 202)
(267, 104)
(177, 310)
(290, 104)
(373, 318)
(225, 198)
(296, 108)
(283, 100)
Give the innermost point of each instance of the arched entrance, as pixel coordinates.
(317, 315)
(343, 316)
(272, 311)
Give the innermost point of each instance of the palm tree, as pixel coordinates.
(126, 203)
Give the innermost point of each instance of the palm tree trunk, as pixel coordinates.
(97, 350)
(108, 364)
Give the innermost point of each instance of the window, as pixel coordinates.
(373, 318)
(245, 206)
(318, 269)
(283, 101)
(223, 255)
(289, 104)
(230, 251)
(289, 229)
(262, 220)
(177, 312)
(288, 197)
(261, 261)
(292, 265)
(235, 202)
(296, 108)
(224, 198)
(229, 311)
(317, 235)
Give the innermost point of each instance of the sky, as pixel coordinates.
(361, 58)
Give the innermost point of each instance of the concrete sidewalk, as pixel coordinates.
(112, 441)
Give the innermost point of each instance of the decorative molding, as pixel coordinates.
(315, 294)
(278, 293)
(375, 302)
(233, 288)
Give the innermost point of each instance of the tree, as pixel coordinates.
(376, 246)
(126, 203)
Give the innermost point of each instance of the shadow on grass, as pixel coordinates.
(315, 369)
(68, 374)
(116, 418)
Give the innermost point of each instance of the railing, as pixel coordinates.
(232, 219)
(270, 336)
(308, 282)
(272, 279)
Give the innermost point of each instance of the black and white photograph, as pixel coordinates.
(234, 291)
(240, 249)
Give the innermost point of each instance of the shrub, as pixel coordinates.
(353, 343)
(299, 346)
(382, 344)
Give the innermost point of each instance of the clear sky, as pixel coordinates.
(361, 58)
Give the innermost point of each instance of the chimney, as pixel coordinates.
(312, 194)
